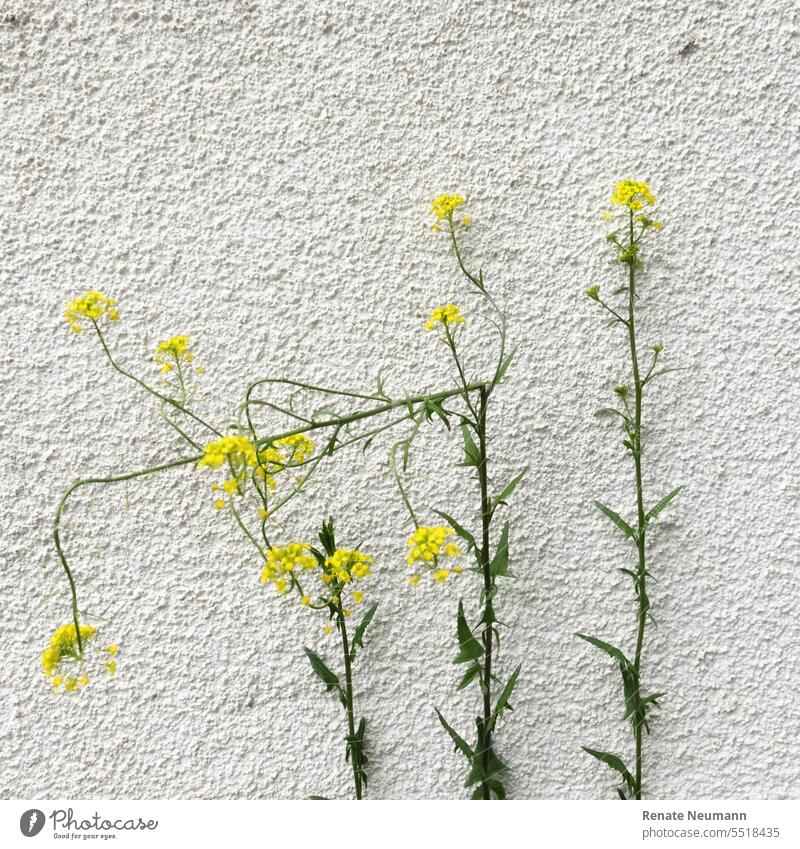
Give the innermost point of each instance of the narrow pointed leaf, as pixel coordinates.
(460, 742)
(506, 493)
(469, 648)
(499, 564)
(616, 519)
(654, 511)
(606, 647)
(502, 702)
(358, 637)
(461, 531)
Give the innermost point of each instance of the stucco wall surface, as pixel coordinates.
(258, 176)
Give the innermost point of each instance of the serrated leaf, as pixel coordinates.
(499, 564)
(506, 493)
(654, 511)
(472, 454)
(460, 530)
(460, 743)
(616, 519)
(469, 648)
(358, 636)
(469, 676)
(613, 651)
(329, 678)
(502, 702)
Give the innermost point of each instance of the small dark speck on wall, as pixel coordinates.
(689, 48)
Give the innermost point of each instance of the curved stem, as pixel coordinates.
(60, 509)
(147, 388)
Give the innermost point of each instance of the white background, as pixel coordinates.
(258, 176)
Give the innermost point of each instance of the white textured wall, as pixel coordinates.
(257, 175)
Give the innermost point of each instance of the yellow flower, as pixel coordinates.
(88, 309)
(428, 544)
(283, 561)
(219, 504)
(327, 629)
(305, 600)
(238, 449)
(345, 565)
(111, 666)
(632, 193)
(358, 597)
(447, 316)
(444, 205)
(414, 580)
(301, 448)
(440, 576)
(173, 352)
(63, 654)
(262, 513)
(230, 486)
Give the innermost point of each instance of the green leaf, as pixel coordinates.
(460, 743)
(469, 648)
(434, 406)
(501, 372)
(654, 511)
(461, 531)
(506, 493)
(329, 678)
(614, 762)
(497, 788)
(319, 798)
(472, 454)
(499, 564)
(616, 519)
(502, 702)
(469, 676)
(358, 637)
(606, 647)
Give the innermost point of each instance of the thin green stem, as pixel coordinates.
(153, 392)
(60, 509)
(355, 756)
(488, 584)
(641, 574)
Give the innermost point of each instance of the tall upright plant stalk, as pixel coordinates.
(627, 238)
(430, 546)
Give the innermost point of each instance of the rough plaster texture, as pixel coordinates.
(257, 175)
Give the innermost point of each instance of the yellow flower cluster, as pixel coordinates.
(444, 205)
(632, 193)
(239, 449)
(345, 565)
(63, 651)
(283, 561)
(92, 306)
(428, 544)
(447, 316)
(173, 352)
(301, 448)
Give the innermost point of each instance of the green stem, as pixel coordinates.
(641, 574)
(60, 509)
(488, 584)
(147, 388)
(355, 756)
